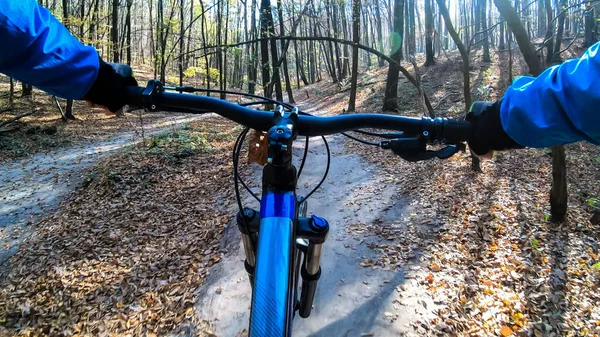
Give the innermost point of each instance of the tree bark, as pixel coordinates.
(590, 24)
(11, 92)
(203, 31)
(28, 90)
(181, 39)
(188, 56)
(264, 46)
(356, 39)
(225, 65)
(527, 49)
(390, 100)
(286, 74)
(252, 65)
(486, 42)
(556, 58)
(366, 37)
(501, 45)
(94, 24)
(379, 32)
(338, 56)
(128, 27)
(549, 33)
(558, 193)
(429, 60)
(114, 30)
(82, 17)
(345, 62)
(464, 53)
(411, 28)
(541, 28)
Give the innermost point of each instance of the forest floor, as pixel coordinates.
(415, 248)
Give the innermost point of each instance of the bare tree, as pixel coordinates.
(429, 60)
(114, 33)
(356, 39)
(390, 100)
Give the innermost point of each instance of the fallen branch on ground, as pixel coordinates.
(16, 118)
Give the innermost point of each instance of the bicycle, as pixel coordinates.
(281, 243)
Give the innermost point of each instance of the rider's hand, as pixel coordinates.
(108, 91)
(488, 134)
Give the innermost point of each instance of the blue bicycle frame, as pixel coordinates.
(273, 298)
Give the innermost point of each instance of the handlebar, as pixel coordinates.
(153, 97)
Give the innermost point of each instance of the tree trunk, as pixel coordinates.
(527, 49)
(113, 30)
(338, 56)
(265, 8)
(390, 100)
(356, 39)
(558, 193)
(411, 27)
(331, 61)
(300, 67)
(181, 39)
(252, 71)
(188, 56)
(94, 24)
(366, 35)
(486, 42)
(128, 27)
(273, 45)
(541, 28)
(590, 24)
(11, 92)
(549, 33)
(286, 74)
(379, 32)
(345, 62)
(428, 34)
(559, 32)
(501, 45)
(204, 43)
(464, 53)
(476, 14)
(82, 18)
(65, 8)
(152, 38)
(225, 65)
(160, 38)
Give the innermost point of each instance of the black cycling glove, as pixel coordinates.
(109, 88)
(488, 134)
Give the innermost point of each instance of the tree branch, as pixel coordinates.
(403, 70)
(16, 118)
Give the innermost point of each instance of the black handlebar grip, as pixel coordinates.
(455, 130)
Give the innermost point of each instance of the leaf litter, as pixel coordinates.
(495, 263)
(125, 253)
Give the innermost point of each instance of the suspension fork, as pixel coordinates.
(315, 230)
(248, 223)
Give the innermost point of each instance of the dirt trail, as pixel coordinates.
(351, 300)
(34, 186)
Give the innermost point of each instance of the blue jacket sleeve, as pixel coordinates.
(37, 49)
(560, 106)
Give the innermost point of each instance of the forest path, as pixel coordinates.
(351, 300)
(33, 187)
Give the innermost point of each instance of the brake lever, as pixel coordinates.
(415, 149)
